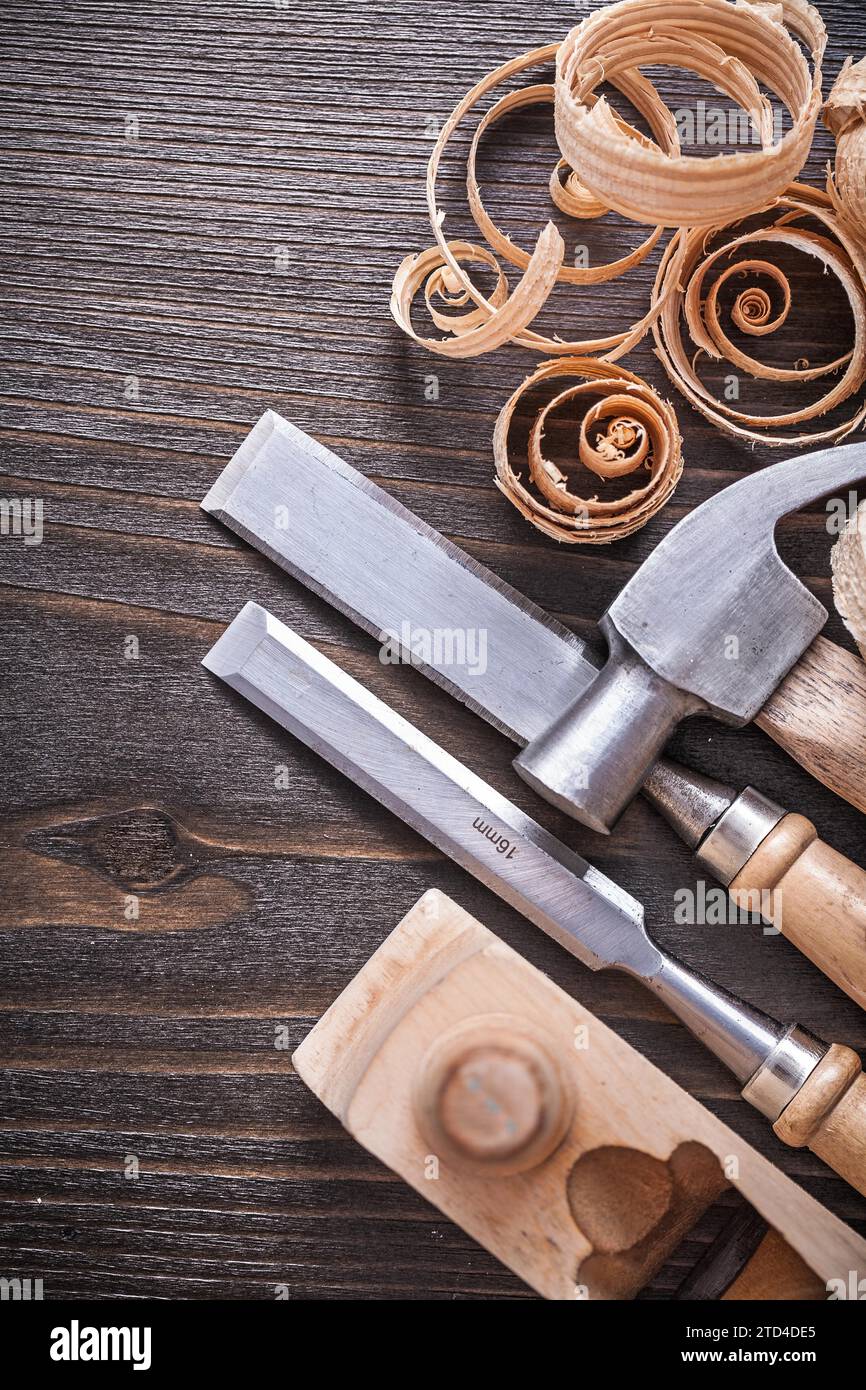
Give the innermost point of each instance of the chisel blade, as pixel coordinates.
(357, 547)
(419, 781)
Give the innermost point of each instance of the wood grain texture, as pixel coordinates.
(818, 715)
(813, 895)
(157, 294)
(588, 1204)
(829, 1114)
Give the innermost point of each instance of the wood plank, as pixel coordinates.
(238, 255)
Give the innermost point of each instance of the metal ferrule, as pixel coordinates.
(779, 1078)
(737, 834)
(741, 1036)
(485, 833)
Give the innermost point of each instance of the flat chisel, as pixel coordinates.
(358, 547)
(812, 1093)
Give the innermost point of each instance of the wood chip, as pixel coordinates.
(496, 321)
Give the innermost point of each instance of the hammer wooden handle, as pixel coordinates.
(828, 1114)
(818, 900)
(818, 715)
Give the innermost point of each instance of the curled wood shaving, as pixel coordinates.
(572, 197)
(845, 115)
(697, 307)
(848, 559)
(626, 427)
(507, 319)
(734, 46)
(607, 164)
(495, 321)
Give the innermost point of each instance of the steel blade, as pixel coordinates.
(480, 829)
(357, 547)
(433, 792)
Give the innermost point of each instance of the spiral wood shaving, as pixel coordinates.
(734, 46)
(491, 322)
(695, 304)
(627, 428)
(742, 48)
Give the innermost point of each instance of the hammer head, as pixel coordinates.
(714, 610)
(710, 623)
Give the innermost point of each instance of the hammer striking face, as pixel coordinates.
(716, 577)
(710, 623)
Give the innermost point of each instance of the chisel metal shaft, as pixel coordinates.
(486, 834)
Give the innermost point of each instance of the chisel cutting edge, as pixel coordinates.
(357, 547)
(813, 1094)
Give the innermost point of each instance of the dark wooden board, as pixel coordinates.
(237, 255)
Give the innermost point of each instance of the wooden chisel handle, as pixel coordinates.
(828, 1114)
(818, 715)
(815, 896)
